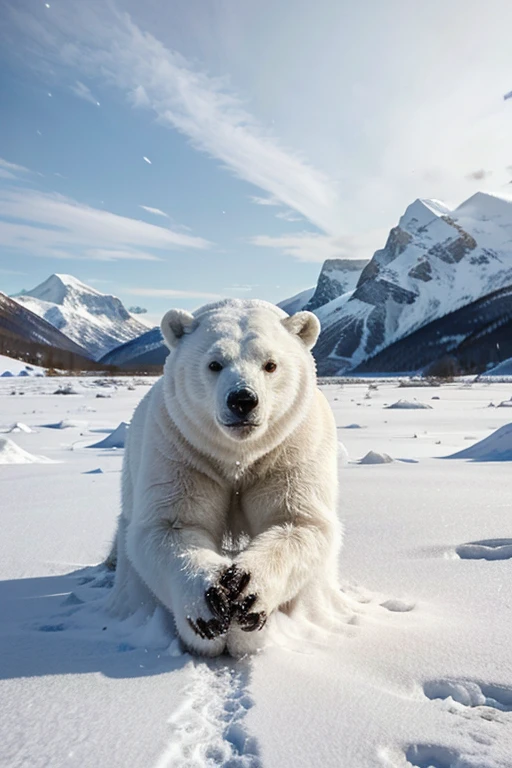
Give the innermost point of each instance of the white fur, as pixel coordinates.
(190, 483)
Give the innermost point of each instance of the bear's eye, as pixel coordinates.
(215, 366)
(270, 367)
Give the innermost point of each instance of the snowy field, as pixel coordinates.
(420, 675)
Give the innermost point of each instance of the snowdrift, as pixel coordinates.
(496, 447)
(10, 453)
(116, 439)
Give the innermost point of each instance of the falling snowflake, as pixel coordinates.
(147, 160)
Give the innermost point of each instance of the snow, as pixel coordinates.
(116, 439)
(11, 367)
(11, 453)
(467, 253)
(374, 457)
(496, 447)
(297, 302)
(19, 426)
(96, 321)
(420, 674)
(410, 404)
(503, 369)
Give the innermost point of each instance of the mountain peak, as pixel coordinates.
(58, 287)
(96, 320)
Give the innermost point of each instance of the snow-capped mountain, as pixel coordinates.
(19, 322)
(97, 321)
(473, 337)
(337, 276)
(147, 350)
(297, 302)
(434, 262)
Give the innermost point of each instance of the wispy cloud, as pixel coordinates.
(84, 92)
(306, 246)
(264, 200)
(11, 170)
(288, 216)
(156, 211)
(203, 108)
(51, 225)
(169, 293)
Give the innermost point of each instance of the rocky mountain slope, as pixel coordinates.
(473, 337)
(337, 276)
(434, 262)
(20, 321)
(146, 351)
(97, 321)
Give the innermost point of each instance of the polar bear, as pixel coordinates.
(229, 483)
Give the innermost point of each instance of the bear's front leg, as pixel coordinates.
(280, 562)
(180, 566)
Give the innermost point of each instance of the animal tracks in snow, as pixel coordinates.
(433, 756)
(486, 699)
(469, 699)
(208, 729)
(423, 756)
(487, 549)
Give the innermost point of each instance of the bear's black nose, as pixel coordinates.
(242, 401)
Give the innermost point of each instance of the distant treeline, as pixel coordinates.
(33, 353)
(53, 358)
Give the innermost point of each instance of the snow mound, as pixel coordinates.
(409, 405)
(353, 426)
(68, 424)
(496, 447)
(10, 366)
(65, 389)
(19, 427)
(10, 453)
(97, 471)
(116, 439)
(505, 404)
(373, 457)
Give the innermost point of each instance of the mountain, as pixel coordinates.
(29, 337)
(146, 351)
(97, 321)
(19, 320)
(434, 262)
(297, 302)
(337, 276)
(472, 337)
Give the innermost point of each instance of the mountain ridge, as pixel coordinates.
(97, 321)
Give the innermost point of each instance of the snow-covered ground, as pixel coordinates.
(11, 367)
(420, 675)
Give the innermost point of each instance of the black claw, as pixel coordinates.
(252, 621)
(247, 603)
(195, 628)
(219, 604)
(234, 581)
(207, 630)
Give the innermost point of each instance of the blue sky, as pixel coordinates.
(279, 133)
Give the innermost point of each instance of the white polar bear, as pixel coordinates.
(229, 479)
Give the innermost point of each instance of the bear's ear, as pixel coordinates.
(305, 325)
(175, 323)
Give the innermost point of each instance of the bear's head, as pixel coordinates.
(240, 371)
